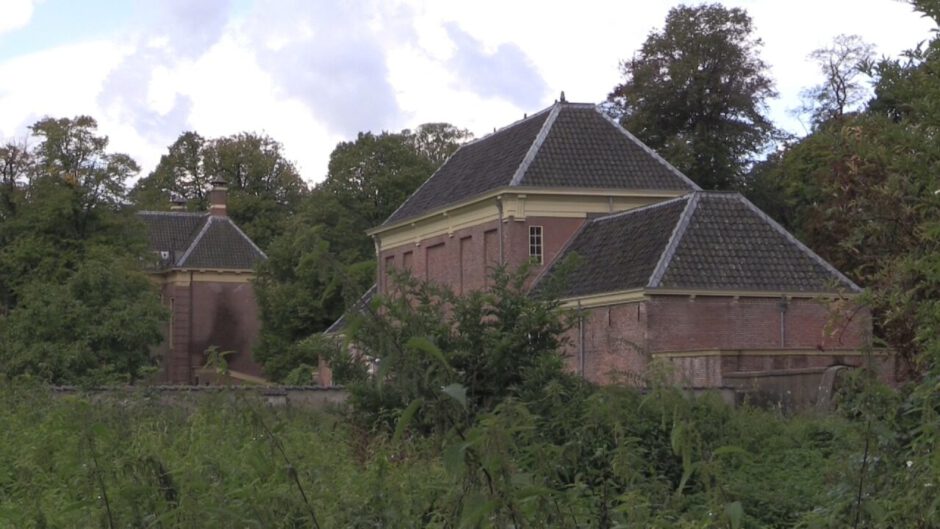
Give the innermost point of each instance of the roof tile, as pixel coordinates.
(566, 145)
(199, 240)
(724, 243)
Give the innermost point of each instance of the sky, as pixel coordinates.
(313, 73)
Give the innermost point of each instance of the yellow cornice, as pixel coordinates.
(768, 352)
(524, 192)
(747, 293)
(517, 204)
(181, 276)
(643, 294)
(605, 299)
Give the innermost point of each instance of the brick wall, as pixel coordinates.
(222, 314)
(461, 260)
(620, 340)
(614, 344)
(682, 323)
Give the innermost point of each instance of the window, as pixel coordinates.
(535, 243)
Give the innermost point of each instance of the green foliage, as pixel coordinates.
(696, 91)
(324, 260)
(95, 327)
(453, 353)
(610, 457)
(224, 462)
(862, 191)
(75, 305)
(264, 187)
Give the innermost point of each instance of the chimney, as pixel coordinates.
(177, 202)
(218, 198)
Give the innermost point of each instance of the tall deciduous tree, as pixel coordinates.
(324, 260)
(843, 66)
(863, 191)
(696, 93)
(74, 303)
(264, 187)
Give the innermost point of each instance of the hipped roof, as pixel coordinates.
(701, 241)
(565, 145)
(199, 240)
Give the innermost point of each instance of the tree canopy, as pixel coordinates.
(324, 260)
(862, 190)
(264, 187)
(696, 93)
(75, 305)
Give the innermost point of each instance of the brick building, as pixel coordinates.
(204, 273)
(703, 280)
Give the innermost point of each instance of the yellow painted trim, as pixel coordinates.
(530, 192)
(746, 293)
(603, 300)
(517, 206)
(767, 352)
(181, 277)
(443, 224)
(237, 375)
(641, 294)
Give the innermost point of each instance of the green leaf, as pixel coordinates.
(424, 345)
(404, 420)
(475, 509)
(453, 458)
(457, 392)
(735, 512)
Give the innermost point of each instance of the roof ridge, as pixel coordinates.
(536, 145)
(647, 207)
(677, 233)
(195, 241)
(174, 213)
(651, 152)
(789, 236)
(509, 126)
(460, 148)
(246, 237)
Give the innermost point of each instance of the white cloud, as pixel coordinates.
(62, 81)
(15, 14)
(313, 73)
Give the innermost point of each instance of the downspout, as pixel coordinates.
(378, 263)
(499, 206)
(580, 340)
(189, 344)
(783, 321)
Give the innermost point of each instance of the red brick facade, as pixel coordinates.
(460, 260)
(703, 280)
(707, 338)
(205, 312)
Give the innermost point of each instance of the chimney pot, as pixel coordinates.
(218, 198)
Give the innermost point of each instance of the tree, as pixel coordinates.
(264, 187)
(439, 352)
(97, 326)
(324, 260)
(862, 190)
(436, 141)
(180, 174)
(696, 93)
(76, 306)
(841, 64)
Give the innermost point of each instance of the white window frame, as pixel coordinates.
(537, 244)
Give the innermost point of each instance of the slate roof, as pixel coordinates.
(360, 306)
(565, 145)
(701, 241)
(199, 240)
